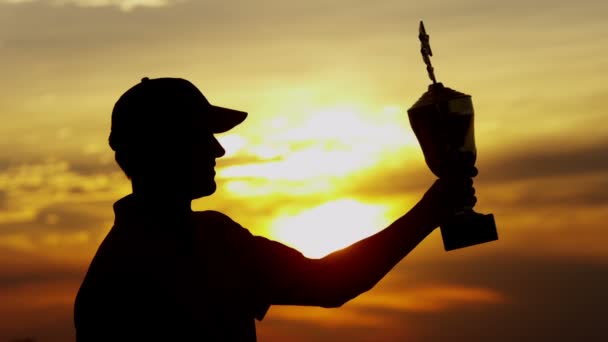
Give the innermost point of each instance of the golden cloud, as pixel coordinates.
(125, 5)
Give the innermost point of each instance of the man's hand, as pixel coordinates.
(446, 197)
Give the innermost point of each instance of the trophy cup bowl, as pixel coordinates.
(443, 121)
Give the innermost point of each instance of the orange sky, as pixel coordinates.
(536, 71)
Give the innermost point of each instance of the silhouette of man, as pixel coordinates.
(167, 273)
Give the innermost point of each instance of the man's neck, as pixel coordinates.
(157, 199)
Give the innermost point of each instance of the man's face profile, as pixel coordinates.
(203, 152)
(183, 163)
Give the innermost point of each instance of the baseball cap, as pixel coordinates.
(166, 108)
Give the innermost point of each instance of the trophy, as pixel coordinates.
(442, 120)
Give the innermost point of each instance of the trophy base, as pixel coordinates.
(468, 229)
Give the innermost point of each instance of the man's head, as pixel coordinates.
(162, 133)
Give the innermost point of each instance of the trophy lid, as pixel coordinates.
(437, 93)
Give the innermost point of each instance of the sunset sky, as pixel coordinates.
(326, 156)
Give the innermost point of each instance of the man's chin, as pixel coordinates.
(204, 191)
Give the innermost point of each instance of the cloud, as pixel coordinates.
(542, 292)
(3, 200)
(550, 160)
(573, 175)
(32, 289)
(48, 208)
(65, 235)
(548, 299)
(93, 166)
(584, 191)
(20, 268)
(55, 178)
(431, 298)
(125, 5)
(61, 218)
(246, 159)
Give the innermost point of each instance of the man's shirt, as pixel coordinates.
(168, 276)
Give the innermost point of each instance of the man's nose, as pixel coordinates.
(218, 149)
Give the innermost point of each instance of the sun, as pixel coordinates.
(334, 142)
(321, 230)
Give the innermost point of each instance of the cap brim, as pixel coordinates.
(224, 119)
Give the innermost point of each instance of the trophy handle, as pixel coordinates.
(468, 228)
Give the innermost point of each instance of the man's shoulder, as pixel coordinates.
(211, 220)
(213, 217)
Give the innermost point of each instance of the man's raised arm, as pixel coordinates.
(342, 275)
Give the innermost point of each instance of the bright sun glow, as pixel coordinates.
(330, 143)
(232, 143)
(331, 226)
(313, 158)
